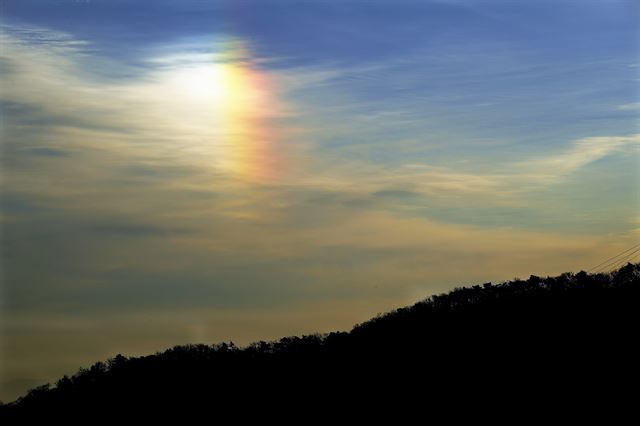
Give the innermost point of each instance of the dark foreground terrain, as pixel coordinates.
(566, 341)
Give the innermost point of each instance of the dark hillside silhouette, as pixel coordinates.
(530, 342)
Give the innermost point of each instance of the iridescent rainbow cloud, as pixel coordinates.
(247, 102)
(227, 107)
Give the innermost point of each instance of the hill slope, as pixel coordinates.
(574, 333)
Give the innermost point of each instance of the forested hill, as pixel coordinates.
(570, 333)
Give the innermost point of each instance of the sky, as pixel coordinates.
(201, 171)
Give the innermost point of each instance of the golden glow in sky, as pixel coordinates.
(239, 99)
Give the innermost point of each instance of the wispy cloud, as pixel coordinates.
(635, 106)
(551, 169)
(392, 182)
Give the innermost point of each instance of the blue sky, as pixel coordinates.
(182, 171)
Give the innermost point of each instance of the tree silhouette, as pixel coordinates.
(518, 343)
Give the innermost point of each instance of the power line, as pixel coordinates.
(634, 257)
(608, 261)
(618, 262)
(615, 263)
(611, 258)
(625, 259)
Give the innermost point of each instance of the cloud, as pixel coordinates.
(396, 194)
(118, 204)
(147, 134)
(582, 152)
(61, 94)
(634, 106)
(48, 152)
(509, 179)
(132, 230)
